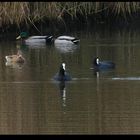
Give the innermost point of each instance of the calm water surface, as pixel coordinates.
(92, 103)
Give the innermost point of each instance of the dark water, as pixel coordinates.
(92, 103)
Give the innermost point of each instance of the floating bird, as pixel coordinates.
(66, 40)
(33, 40)
(15, 58)
(102, 65)
(66, 44)
(47, 39)
(62, 75)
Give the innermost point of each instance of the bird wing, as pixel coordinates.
(66, 38)
(37, 37)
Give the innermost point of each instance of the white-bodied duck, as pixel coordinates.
(66, 44)
(66, 40)
(33, 40)
(49, 39)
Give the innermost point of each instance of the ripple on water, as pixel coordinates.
(126, 78)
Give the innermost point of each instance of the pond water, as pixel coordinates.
(107, 102)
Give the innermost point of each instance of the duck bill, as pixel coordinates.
(18, 37)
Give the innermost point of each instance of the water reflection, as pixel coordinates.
(105, 102)
(22, 47)
(126, 78)
(66, 47)
(37, 45)
(96, 73)
(33, 45)
(62, 89)
(14, 65)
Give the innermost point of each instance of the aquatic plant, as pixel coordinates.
(30, 12)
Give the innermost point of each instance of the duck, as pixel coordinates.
(102, 65)
(15, 58)
(62, 75)
(47, 39)
(34, 40)
(66, 40)
(66, 44)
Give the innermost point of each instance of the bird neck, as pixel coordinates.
(96, 62)
(61, 71)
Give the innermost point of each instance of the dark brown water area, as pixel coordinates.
(107, 102)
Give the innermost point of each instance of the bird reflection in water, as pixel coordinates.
(63, 92)
(14, 65)
(96, 73)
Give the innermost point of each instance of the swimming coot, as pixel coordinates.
(62, 75)
(102, 65)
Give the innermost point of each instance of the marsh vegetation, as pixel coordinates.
(18, 13)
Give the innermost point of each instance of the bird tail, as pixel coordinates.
(76, 41)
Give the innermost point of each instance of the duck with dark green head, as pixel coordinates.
(23, 35)
(33, 40)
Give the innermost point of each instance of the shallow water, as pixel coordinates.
(106, 102)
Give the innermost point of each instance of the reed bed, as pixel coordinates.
(30, 12)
